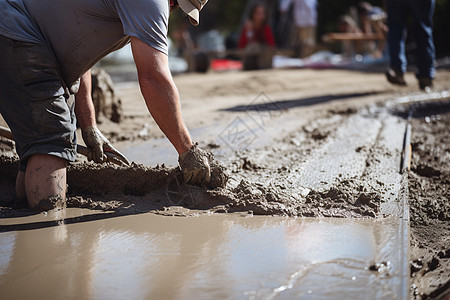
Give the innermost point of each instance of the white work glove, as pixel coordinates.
(195, 166)
(98, 145)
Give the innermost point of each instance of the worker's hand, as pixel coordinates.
(98, 145)
(195, 166)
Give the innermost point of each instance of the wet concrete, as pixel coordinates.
(345, 165)
(233, 256)
(429, 189)
(150, 153)
(259, 130)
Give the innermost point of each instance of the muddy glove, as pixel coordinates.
(195, 166)
(98, 145)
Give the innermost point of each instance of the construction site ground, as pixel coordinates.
(297, 143)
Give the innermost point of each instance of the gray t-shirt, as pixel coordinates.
(81, 32)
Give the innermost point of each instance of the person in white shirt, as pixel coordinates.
(305, 17)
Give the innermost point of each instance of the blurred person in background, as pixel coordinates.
(305, 17)
(421, 12)
(257, 39)
(372, 22)
(256, 32)
(347, 24)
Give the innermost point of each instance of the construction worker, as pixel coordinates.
(47, 49)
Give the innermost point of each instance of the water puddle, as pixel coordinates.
(151, 153)
(157, 150)
(248, 131)
(84, 254)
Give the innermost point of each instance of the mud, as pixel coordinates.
(106, 102)
(141, 189)
(199, 167)
(261, 183)
(328, 155)
(56, 203)
(429, 188)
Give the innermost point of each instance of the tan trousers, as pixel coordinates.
(304, 39)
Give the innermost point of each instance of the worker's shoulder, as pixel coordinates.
(137, 4)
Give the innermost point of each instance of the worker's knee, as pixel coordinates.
(45, 181)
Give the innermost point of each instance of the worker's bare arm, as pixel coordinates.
(160, 93)
(85, 112)
(84, 107)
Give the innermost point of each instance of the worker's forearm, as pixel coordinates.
(162, 99)
(160, 93)
(84, 107)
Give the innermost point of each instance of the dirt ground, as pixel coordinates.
(429, 188)
(286, 120)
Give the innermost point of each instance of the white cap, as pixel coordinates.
(192, 8)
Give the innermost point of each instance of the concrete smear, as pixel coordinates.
(279, 180)
(139, 189)
(318, 172)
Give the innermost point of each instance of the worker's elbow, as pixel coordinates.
(147, 82)
(151, 81)
(157, 85)
(158, 73)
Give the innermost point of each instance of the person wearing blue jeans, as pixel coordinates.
(421, 12)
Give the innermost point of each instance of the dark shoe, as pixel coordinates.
(395, 77)
(425, 84)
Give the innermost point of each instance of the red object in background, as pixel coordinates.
(225, 64)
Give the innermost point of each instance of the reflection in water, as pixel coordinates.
(105, 271)
(7, 242)
(60, 232)
(324, 247)
(209, 257)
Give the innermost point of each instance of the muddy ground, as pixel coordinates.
(429, 188)
(290, 117)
